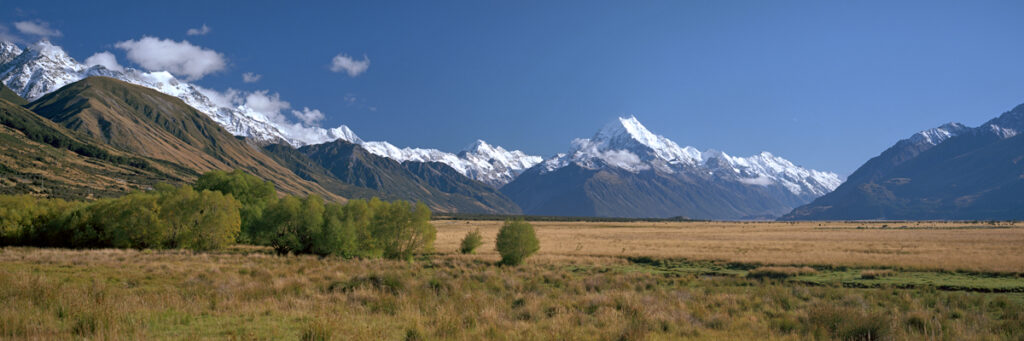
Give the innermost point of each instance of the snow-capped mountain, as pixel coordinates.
(8, 51)
(625, 170)
(934, 136)
(480, 161)
(628, 145)
(43, 67)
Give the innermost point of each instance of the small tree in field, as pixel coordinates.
(471, 242)
(516, 241)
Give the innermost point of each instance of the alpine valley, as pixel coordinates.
(75, 130)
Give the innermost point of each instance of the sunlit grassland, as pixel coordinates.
(565, 292)
(949, 246)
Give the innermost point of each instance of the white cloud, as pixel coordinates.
(353, 67)
(228, 99)
(761, 180)
(38, 28)
(105, 59)
(308, 116)
(267, 104)
(250, 77)
(264, 106)
(179, 58)
(202, 31)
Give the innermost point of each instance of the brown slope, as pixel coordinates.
(145, 122)
(40, 157)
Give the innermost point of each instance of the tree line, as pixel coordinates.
(221, 209)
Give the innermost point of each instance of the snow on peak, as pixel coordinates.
(627, 144)
(627, 133)
(480, 161)
(1002, 132)
(765, 169)
(8, 51)
(38, 69)
(934, 136)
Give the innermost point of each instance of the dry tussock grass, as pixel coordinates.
(246, 293)
(979, 246)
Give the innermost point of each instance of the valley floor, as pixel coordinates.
(615, 281)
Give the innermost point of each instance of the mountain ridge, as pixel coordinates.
(625, 170)
(972, 173)
(43, 67)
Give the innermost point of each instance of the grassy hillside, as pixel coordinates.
(301, 165)
(145, 122)
(37, 156)
(9, 95)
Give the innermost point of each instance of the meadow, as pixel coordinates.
(604, 281)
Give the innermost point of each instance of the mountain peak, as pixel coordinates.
(478, 146)
(627, 127)
(44, 48)
(628, 134)
(8, 51)
(936, 135)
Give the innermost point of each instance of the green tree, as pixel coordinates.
(516, 241)
(402, 230)
(471, 242)
(253, 193)
(294, 223)
(199, 220)
(130, 221)
(338, 234)
(22, 217)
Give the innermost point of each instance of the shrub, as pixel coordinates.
(516, 241)
(471, 242)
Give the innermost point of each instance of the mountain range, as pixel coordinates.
(183, 129)
(43, 67)
(625, 170)
(948, 172)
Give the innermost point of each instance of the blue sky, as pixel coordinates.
(826, 84)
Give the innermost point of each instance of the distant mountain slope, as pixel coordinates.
(436, 184)
(306, 168)
(970, 173)
(10, 96)
(145, 122)
(40, 157)
(624, 170)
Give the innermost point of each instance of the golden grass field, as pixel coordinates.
(579, 287)
(952, 246)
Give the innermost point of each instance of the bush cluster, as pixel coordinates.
(167, 217)
(223, 208)
(360, 228)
